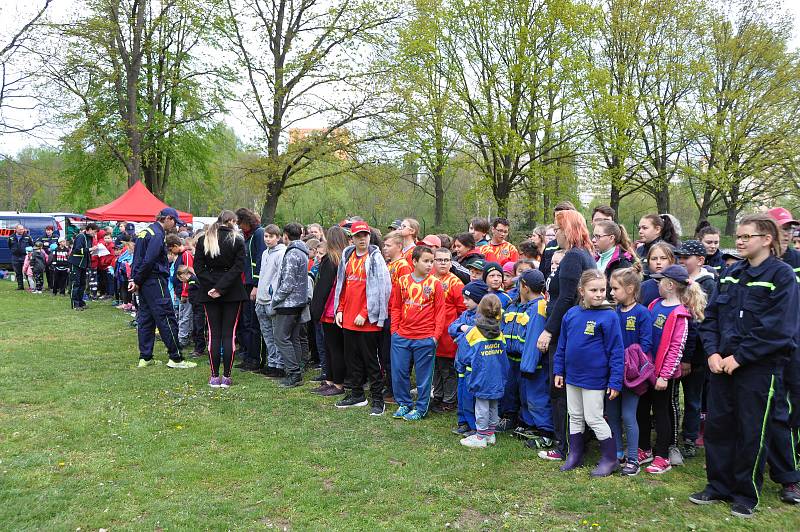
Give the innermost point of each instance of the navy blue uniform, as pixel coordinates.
(752, 318)
(254, 350)
(17, 245)
(150, 270)
(80, 258)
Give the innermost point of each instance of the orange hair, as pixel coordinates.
(575, 231)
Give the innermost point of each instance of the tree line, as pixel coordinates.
(478, 106)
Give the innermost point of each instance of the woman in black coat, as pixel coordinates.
(218, 264)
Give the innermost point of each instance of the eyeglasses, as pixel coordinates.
(597, 237)
(746, 238)
(441, 261)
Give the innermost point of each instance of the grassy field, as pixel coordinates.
(87, 441)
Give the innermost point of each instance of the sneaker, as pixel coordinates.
(740, 510)
(227, 382)
(435, 406)
(704, 497)
(331, 391)
(401, 412)
(790, 493)
(197, 354)
(645, 457)
(552, 454)
(505, 425)
(350, 401)
(659, 466)
(524, 433)
(291, 382)
(675, 456)
(539, 442)
(378, 408)
(689, 449)
(461, 429)
(145, 363)
(275, 373)
(183, 364)
(492, 439)
(215, 382)
(389, 398)
(629, 469)
(321, 388)
(476, 441)
(414, 415)
(318, 378)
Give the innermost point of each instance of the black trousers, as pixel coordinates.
(222, 317)
(362, 362)
(60, 281)
(250, 331)
(78, 286)
(385, 351)
(740, 409)
(17, 265)
(334, 344)
(781, 456)
(199, 327)
(665, 409)
(558, 401)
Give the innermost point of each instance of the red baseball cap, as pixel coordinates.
(359, 227)
(782, 216)
(431, 241)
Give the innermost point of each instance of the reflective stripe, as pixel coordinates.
(515, 359)
(469, 368)
(729, 280)
(762, 283)
(461, 375)
(763, 434)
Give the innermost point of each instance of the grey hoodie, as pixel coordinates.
(379, 284)
(270, 270)
(292, 285)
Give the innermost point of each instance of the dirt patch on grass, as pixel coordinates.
(471, 519)
(275, 523)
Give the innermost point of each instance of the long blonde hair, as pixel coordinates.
(211, 243)
(693, 298)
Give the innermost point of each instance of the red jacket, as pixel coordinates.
(453, 307)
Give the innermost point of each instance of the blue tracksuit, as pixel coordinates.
(505, 299)
(80, 258)
(150, 270)
(590, 354)
(466, 402)
(750, 319)
(528, 386)
(487, 364)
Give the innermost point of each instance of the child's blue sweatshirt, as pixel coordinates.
(590, 353)
(487, 366)
(454, 330)
(637, 327)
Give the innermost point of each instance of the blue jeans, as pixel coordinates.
(692, 401)
(622, 411)
(265, 321)
(422, 352)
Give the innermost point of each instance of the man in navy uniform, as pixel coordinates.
(17, 244)
(81, 258)
(149, 273)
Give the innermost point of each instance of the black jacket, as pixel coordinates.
(17, 245)
(80, 255)
(326, 281)
(223, 272)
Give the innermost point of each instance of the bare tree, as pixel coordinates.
(308, 62)
(15, 83)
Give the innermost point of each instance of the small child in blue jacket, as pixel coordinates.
(487, 370)
(590, 360)
(473, 293)
(528, 386)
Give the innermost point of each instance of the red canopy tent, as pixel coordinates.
(137, 204)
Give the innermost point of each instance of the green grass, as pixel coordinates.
(88, 441)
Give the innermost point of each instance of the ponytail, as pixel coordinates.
(693, 298)
(212, 233)
(669, 231)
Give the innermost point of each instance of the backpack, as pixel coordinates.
(640, 372)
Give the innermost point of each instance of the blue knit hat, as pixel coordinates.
(475, 290)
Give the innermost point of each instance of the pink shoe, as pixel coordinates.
(660, 465)
(645, 457)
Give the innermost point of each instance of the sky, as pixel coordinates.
(11, 10)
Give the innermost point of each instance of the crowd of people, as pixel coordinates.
(576, 334)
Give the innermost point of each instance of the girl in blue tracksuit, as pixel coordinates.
(528, 387)
(473, 293)
(636, 324)
(486, 373)
(590, 360)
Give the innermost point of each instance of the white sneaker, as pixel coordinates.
(474, 442)
(183, 364)
(675, 456)
(145, 363)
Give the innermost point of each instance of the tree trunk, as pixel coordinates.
(438, 190)
(615, 198)
(662, 199)
(270, 207)
(730, 219)
(501, 195)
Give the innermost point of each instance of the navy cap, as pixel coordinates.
(676, 272)
(475, 290)
(690, 248)
(130, 226)
(395, 225)
(533, 279)
(490, 267)
(172, 213)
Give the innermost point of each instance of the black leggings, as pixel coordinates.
(334, 343)
(666, 411)
(222, 318)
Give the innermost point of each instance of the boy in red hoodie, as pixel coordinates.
(417, 318)
(445, 378)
